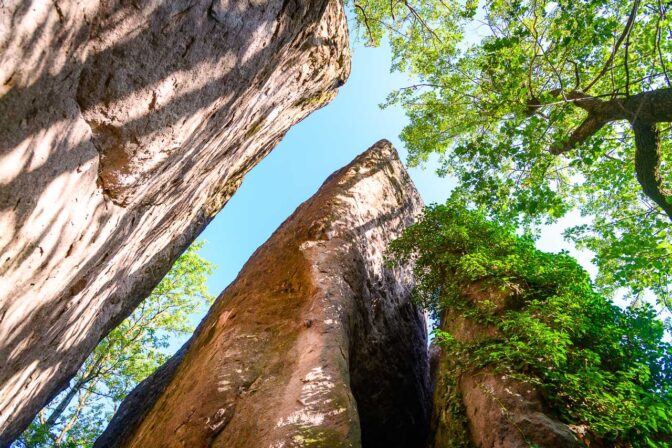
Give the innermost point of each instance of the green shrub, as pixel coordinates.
(597, 364)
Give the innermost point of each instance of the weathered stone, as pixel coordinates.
(315, 343)
(507, 413)
(484, 408)
(126, 125)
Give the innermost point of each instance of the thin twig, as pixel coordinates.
(658, 35)
(422, 21)
(366, 22)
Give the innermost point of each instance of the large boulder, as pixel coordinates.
(315, 343)
(126, 126)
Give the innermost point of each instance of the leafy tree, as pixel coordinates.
(542, 106)
(126, 356)
(597, 364)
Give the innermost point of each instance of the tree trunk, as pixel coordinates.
(63, 405)
(647, 165)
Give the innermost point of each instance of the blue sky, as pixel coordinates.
(324, 142)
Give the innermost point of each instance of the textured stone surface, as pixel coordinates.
(506, 413)
(484, 408)
(314, 344)
(126, 125)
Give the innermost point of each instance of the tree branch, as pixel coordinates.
(654, 106)
(422, 21)
(658, 35)
(62, 405)
(366, 22)
(626, 33)
(73, 419)
(586, 129)
(643, 111)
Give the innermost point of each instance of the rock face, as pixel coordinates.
(126, 125)
(314, 344)
(483, 408)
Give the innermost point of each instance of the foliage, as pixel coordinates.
(498, 98)
(598, 364)
(126, 356)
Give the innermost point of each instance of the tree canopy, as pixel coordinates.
(126, 356)
(598, 365)
(541, 107)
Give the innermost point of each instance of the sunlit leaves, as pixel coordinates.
(490, 99)
(597, 364)
(126, 356)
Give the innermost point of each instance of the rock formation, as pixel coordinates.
(483, 408)
(314, 344)
(126, 125)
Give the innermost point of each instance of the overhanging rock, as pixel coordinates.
(126, 125)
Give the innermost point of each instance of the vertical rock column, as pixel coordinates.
(485, 408)
(125, 127)
(314, 344)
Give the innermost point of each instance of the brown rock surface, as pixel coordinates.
(484, 408)
(314, 344)
(126, 125)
